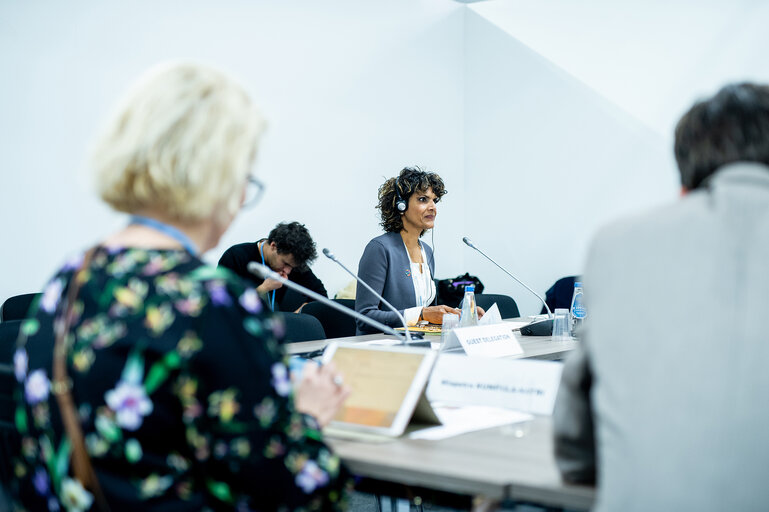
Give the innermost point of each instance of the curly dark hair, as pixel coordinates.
(409, 181)
(731, 126)
(294, 238)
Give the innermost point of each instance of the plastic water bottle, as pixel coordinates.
(577, 311)
(469, 316)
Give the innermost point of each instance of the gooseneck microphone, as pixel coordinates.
(330, 255)
(541, 328)
(265, 272)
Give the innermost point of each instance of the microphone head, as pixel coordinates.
(468, 242)
(329, 254)
(258, 269)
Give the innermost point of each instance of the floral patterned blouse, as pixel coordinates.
(182, 391)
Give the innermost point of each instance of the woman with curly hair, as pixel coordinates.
(397, 264)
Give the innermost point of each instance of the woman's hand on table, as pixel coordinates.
(434, 314)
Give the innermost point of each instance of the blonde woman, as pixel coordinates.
(146, 379)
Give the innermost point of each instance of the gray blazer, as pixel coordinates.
(673, 367)
(386, 267)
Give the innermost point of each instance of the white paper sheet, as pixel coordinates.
(462, 419)
(384, 342)
(492, 316)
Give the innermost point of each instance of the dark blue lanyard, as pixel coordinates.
(261, 253)
(166, 230)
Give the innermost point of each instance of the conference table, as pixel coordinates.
(509, 463)
(538, 347)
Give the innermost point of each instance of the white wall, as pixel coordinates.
(652, 58)
(549, 160)
(353, 91)
(546, 119)
(569, 114)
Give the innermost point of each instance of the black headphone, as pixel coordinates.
(402, 204)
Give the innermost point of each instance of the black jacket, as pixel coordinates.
(237, 258)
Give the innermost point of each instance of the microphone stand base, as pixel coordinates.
(541, 328)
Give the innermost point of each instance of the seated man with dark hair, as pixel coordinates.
(288, 250)
(661, 404)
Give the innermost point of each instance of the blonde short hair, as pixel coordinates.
(181, 143)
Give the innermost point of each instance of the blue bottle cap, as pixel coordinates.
(470, 288)
(577, 284)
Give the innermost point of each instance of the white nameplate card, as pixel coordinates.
(495, 340)
(526, 385)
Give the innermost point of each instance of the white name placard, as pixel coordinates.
(495, 340)
(527, 385)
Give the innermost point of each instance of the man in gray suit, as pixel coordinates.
(664, 404)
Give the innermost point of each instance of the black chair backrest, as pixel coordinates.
(506, 304)
(559, 295)
(335, 323)
(9, 437)
(16, 307)
(301, 327)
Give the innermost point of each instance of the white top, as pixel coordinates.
(424, 288)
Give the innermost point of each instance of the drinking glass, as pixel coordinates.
(561, 325)
(450, 321)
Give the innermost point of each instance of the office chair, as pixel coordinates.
(9, 437)
(506, 304)
(559, 295)
(16, 307)
(335, 323)
(301, 327)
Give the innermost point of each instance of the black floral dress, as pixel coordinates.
(182, 391)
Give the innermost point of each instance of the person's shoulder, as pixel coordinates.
(242, 249)
(381, 245)
(54, 288)
(386, 239)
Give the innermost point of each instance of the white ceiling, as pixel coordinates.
(651, 58)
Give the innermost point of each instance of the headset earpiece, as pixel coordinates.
(411, 182)
(401, 205)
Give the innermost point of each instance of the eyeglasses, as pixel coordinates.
(254, 192)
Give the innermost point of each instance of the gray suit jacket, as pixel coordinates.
(673, 367)
(386, 267)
